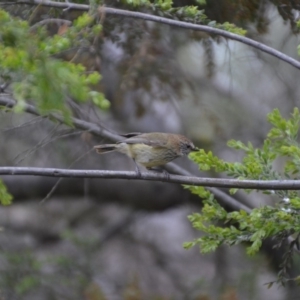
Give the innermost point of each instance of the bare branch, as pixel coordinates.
(33, 122)
(21, 156)
(58, 22)
(181, 24)
(154, 176)
(224, 198)
(60, 179)
(80, 124)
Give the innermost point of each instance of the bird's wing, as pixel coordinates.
(130, 134)
(141, 140)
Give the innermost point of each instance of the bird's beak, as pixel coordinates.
(195, 149)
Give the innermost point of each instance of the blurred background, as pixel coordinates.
(116, 239)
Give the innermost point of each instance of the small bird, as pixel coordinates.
(151, 149)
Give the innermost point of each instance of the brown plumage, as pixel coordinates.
(151, 149)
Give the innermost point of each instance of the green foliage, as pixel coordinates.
(28, 60)
(5, 196)
(22, 273)
(232, 28)
(161, 4)
(166, 9)
(60, 276)
(280, 221)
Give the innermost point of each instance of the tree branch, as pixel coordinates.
(154, 176)
(224, 198)
(181, 24)
(80, 124)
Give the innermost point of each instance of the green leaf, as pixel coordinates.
(233, 191)
(99, 100)
(5, 196)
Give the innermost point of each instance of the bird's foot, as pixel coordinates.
(167, 174)
(138, 172)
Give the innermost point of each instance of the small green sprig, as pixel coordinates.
(28, 58)
(5, 196)
(279, 221)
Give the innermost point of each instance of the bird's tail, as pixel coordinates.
(105, 148)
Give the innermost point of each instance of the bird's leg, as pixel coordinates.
(137, 169)
(166, 173)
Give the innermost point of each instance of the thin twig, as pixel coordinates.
(23, 155)
(31, 122)
(80, 124)
(58, 22)
(53, 189)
